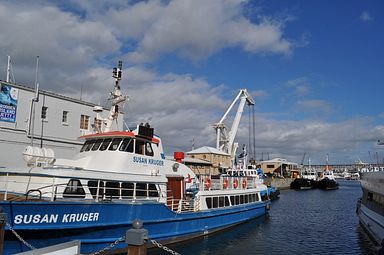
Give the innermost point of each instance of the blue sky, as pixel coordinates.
(313, 67)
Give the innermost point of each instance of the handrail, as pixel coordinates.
(48, 190)
(33, 190)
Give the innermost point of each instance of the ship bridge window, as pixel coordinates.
(97, 144)
(87, 145)
(139, 147)
(115, 144)
(105, 144)
(84, 145)
(148, 149)
(74, 189)
(127, 145)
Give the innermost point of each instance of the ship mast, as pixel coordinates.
(117, 101)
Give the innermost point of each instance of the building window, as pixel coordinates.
(64, 119)
(84, 122)
(44, 110)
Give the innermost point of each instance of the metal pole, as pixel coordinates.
(3, 219)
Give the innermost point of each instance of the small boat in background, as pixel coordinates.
(328, 182)
(303, 183)
(307, 180)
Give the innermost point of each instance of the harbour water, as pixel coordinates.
(300, 222)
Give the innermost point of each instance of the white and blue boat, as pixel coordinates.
(117, 177)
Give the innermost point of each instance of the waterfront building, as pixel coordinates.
(219, 161)
(198, 166)
(42, 119)
(279, 167)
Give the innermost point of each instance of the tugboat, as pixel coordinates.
(303, 184)
(307, 179)
(118, 176)
(328, 182)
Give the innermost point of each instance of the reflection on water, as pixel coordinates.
(300, 222)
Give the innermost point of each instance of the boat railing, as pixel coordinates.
(51, 189)
(186, 205)
(225, 182)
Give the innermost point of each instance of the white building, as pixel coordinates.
(58, 122)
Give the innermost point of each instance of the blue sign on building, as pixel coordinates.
(8, 103)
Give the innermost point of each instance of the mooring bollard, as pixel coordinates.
(136, 238)
(3, 219)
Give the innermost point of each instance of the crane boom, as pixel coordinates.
(225, 141)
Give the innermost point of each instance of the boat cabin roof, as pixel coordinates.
(122, 134)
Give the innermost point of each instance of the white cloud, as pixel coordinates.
(67, 45)
(366, 16)
(314, 105)
(301, 86)
(196, 29)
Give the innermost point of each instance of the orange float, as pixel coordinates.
(225, 183)
(207, 183)
(244, 183)
(235, 183)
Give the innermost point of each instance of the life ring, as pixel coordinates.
(207, 183)
(244, 183)
(225, 183)
(235, 183)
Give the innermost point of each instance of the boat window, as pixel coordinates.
(153, 190)
(246, 199)
(148, 149)
(139, 147)
(127, 145)
(215, 202)
(141, 189)
(232, 200)
(241, 199)
(97, 144)
(115, 144)
(226, 201)
(208, 200)
(127, 189)
(221, 201)
(84, 146)
(74, 189)
(88, 145)
(105, 144)
(92, 185)
(237, 200)
(112, 189)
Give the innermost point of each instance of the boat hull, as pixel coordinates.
(97, 225)
(372, 222)
(327, 184)
(303, 184)
(370, 207)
